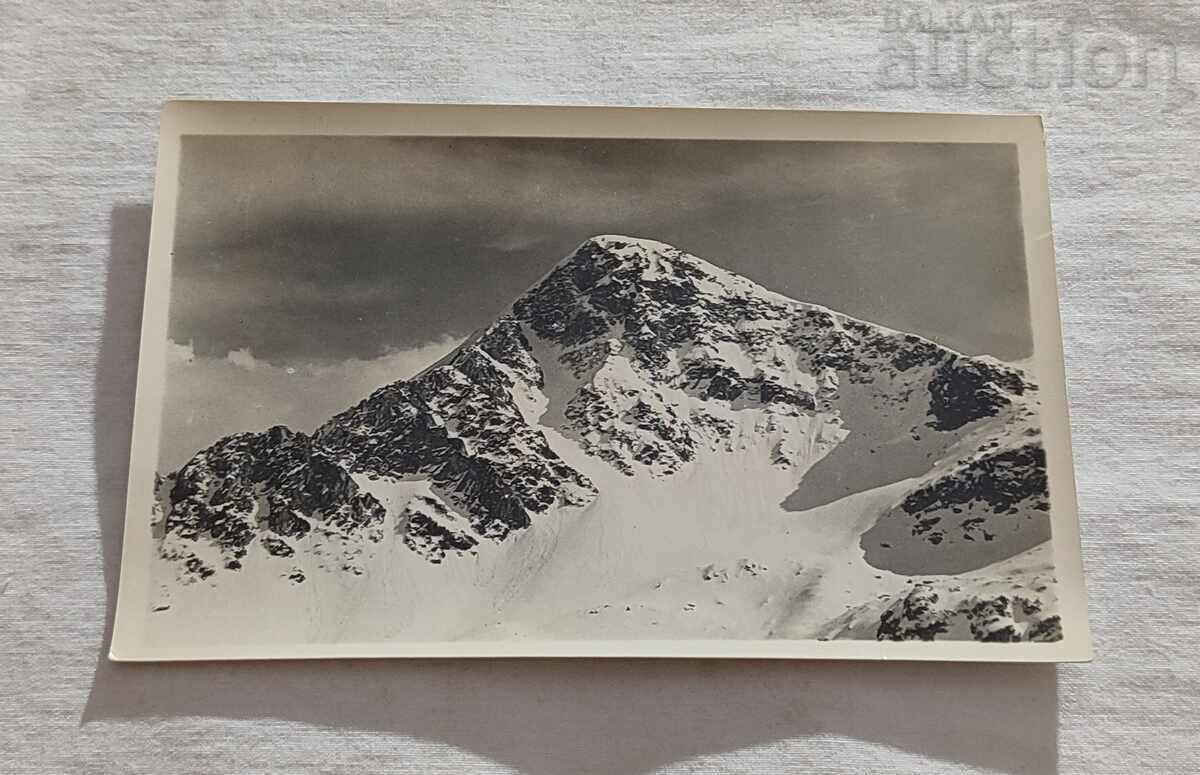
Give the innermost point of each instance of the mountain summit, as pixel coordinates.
(638, 429)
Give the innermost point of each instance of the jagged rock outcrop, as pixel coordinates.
(1014, 602)
(432, 530)
(276, 488)
(981, 510)
(459, 426)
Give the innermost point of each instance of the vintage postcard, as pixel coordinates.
(516, 381)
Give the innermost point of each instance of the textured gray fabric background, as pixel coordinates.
(80, 86)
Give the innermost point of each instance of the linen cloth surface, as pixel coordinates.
(81, 87)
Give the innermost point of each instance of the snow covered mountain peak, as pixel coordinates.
(614, 278)
(651, 259)
(632, 378)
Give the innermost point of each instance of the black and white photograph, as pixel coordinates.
(562, 387)
(501, 392)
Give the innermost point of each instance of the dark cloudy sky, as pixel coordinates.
(308, 271)
(320, 249)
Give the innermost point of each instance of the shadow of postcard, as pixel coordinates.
(544, 716)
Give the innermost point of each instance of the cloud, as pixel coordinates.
(514, 241)
(246, 360)
(208, 398)
(178, 354)
(307, 249)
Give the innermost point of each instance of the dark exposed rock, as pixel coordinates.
(1047, 630)
(426, 525)
(506, 343)
(917, 619)
(963, 390)
(711, 380)
(924, 613)
(458, 425)
(1002, 480)
(598, 288)
(642, 433)
(275, 484)
(983, 510)
(277, 547)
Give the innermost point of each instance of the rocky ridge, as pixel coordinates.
(653, 361)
